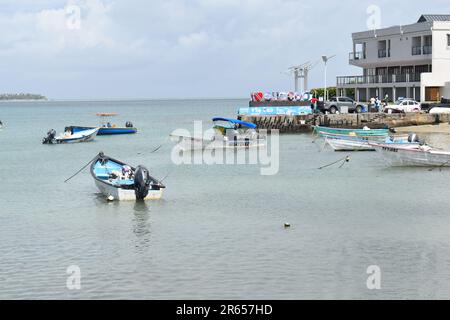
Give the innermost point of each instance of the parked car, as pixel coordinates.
(336, 103)
(403, 105)
(444, 104)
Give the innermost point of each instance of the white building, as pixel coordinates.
(411, 61)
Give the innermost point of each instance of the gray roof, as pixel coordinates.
(434, 17)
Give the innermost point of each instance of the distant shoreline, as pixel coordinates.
(24, 100)
(117, 100)
(8, 97)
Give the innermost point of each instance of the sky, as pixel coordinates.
(157, 49)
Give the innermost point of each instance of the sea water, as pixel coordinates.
(219, 232)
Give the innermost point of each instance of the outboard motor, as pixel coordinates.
(412, 137)
(50, 137)
(142, 182)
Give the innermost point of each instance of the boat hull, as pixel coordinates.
(323, 131)
(81, 136)
(355, 144)
(349, 145)
(104, 131)
(194, 144)
(413, 157)
(125, 194)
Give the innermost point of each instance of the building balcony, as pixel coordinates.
(352, 56)
(384, 53)
(380, 79)
(416, 51)
(427, 49)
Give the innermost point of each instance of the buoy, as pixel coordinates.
(287, 225)
(110, 198)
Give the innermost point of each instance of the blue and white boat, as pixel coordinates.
(119, 181)
(69, 137)
(228, 134)
(106, 127)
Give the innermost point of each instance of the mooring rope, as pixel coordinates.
(73, 176)
(344, 161)
(160, 146)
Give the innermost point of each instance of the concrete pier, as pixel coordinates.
(303, 123)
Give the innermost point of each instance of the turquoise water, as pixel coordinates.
(218, 233)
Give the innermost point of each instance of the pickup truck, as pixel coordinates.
(336, 103)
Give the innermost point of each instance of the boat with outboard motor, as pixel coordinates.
(120, 181)
(349, 143)
(228, 134)
(69, 137)
(106, 128)
(423, 156)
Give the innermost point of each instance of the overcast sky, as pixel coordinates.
(181, 48)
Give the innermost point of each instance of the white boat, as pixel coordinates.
(423, 156)
(119, 181)
(235, 134)
(357, 144)
(68, 137)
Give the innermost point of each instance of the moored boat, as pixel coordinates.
(103, 131)
(423, 156)
(366, 132)
(69, 137)
(106, 128)
(360, 144)
(228, 134)
(119, 181)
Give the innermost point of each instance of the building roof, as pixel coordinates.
(434, 17)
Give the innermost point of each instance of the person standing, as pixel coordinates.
(372, 103)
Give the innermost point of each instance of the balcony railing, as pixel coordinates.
(416, 51)
(427, 49)
(384, 53)
(357, 55)
(380, 79)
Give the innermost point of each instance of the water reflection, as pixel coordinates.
(141, 224)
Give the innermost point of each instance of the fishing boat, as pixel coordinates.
(69, 137)
(119, 181)
(423, 156)
(360, 144)
(106, 127)
(228, 134)
(365, 132)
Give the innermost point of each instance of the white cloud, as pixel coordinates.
(175, 43)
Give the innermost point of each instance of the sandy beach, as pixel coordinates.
(441, 128)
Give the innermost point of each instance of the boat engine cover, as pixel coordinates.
(50, 137)
(142, 182)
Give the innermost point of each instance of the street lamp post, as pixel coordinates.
(325, 60)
